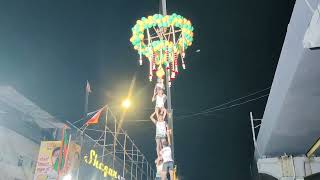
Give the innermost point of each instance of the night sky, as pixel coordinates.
(49, 48)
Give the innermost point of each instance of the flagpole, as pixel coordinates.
(105, 135)
(86, 102)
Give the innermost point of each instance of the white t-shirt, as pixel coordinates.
(166, 154)
(160, 100)
(161, 129)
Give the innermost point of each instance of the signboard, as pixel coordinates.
(48, 158)
(48, 154)
(105, 169)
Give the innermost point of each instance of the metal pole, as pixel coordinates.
(105, 137)
(114, 142)
(124, 154)
(86, 101)
(131, 161)
(170, 111)
(147, 170)
(153, 174)
(137, 164)
(254, 134)
(164, 7)
(150, 172)
(142, 167)
(81, 143)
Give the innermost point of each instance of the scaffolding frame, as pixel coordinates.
(120, 145)
(254, 134)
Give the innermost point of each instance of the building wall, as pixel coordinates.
(289, 167)
(18, 155)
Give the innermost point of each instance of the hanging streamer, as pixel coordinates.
(161, 48)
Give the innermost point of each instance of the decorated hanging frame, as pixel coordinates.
(162, 39)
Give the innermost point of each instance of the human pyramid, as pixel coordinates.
(164, 161)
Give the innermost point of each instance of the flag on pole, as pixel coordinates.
(63, 153)
(94, 117)
(88, 88)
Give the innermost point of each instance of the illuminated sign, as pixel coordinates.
(107, 171)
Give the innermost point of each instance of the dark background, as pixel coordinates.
(49, 48)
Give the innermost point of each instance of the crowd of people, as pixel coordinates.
(164, 161)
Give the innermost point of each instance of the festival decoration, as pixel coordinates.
(162, 39)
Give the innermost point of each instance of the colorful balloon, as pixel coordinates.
(160, 51)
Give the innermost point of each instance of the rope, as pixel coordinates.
(219, 109)
(254, 93)
(216, 109)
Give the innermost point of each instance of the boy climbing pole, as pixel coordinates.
(166, 156)
(160, 99)
(161, 130)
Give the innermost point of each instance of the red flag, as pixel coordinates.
(95, 118)
(88, 88)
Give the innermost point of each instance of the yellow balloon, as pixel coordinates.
(160, 72)
(141, 36)
(141, 28)
(157, 62)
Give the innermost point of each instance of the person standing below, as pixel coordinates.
(166, 156)
(161, 131)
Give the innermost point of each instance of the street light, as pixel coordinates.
(126, 103)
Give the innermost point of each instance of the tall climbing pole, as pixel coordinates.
(163, 5)
(163, 40)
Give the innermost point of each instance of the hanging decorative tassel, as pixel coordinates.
(167, 55)
(175, 59)
(173, 73)
(168, 66)
(176, 65)
(183, 54)
(183, 64)
(154, 66)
